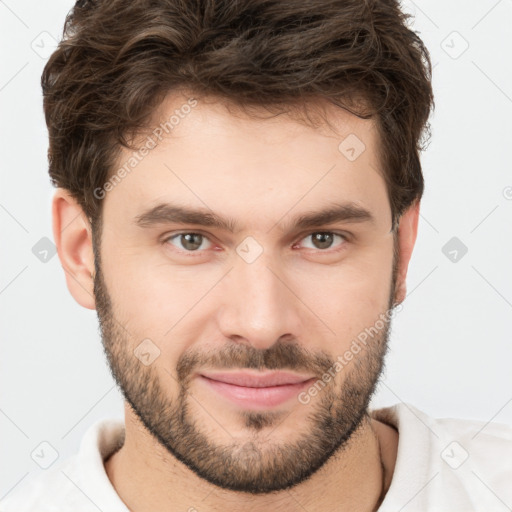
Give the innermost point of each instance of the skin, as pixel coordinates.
(262, 172)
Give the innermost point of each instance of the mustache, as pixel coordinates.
(280, 356)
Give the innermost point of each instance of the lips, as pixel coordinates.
(253, 380)
(255, 390)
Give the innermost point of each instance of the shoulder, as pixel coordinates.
(47, 491)
(473, 459)
(475, 434)
(448, 463)
(78, 483)
(482, 441)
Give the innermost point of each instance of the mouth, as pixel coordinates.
(256, 390)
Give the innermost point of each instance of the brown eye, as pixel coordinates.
(324, 239)
(190, 242)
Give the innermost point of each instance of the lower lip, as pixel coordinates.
(256, 398)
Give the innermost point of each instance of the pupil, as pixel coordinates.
(189, 241)
(323, 240)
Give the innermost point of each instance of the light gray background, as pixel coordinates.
(451, 347)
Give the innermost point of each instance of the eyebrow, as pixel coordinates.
(166, 213)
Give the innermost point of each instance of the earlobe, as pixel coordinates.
(407, 232)
(73, 238)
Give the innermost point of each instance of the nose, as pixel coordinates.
(258, 305)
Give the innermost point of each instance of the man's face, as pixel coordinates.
(271, 294)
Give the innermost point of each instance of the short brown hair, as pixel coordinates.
(118, 59)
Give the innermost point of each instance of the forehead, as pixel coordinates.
(208, 153)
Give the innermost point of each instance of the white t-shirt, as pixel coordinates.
(450, 465)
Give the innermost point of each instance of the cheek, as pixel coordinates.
(151, 299)
(349, 297)
(173, 307)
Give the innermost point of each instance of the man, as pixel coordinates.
(238, 198)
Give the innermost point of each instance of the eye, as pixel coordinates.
(324, 239)
(194, 242)
(190, 242)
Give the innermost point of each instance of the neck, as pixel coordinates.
(148, 478)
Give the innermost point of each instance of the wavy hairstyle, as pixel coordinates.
(118, 59)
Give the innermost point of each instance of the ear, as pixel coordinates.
(407, 231)
(73, 238)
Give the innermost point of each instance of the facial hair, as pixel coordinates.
(254, 464)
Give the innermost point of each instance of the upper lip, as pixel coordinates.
(258, 379)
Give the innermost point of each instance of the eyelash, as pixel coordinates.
(344, 237)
